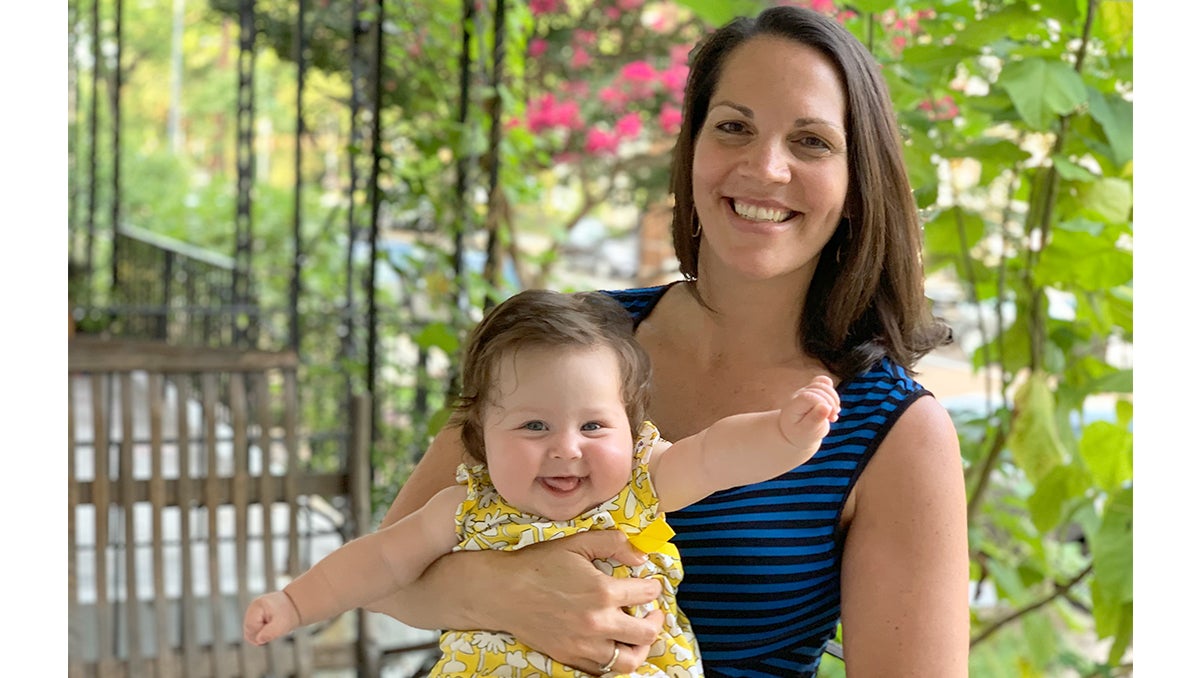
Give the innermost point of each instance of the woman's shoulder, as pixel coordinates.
(640, 301)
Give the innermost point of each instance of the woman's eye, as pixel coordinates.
(813, 142)
(591, 426)
(731, 127)
(534, 426)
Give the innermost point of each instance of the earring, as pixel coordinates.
(695, 226)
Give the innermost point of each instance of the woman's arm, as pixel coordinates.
(548, 595)
(905, 565)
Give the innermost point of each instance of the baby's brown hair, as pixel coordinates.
(546, 319)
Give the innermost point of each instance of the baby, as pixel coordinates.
(551, 413)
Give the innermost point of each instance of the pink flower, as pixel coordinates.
(638, 71)
(629, 126)
(612, 13)
(670, 119)
(844, 16)
(613, 98)
(537, 47)
(600, 142)
(679, 54)
(899, 41)
(566, 114)
(825, 6)
(580, 58)
(629, 4)
(674, 78)
(543, 6)
(585, 37)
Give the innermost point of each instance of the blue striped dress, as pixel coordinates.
(762, 563)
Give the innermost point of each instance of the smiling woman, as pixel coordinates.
(799, 244)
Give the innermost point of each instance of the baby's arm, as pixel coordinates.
(360, 572)
(744, 448)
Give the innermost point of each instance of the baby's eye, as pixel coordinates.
(592, 426)
(534, 426)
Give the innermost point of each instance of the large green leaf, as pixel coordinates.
(1082, 260)
(1042, 90)
(1109, 200)
(1035, 441)
(1115, 116)
(720, 12)
(1054, 493)
(1107, 449)
(1112, 547)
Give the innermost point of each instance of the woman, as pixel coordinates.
(800, 247)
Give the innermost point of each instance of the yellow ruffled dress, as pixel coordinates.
(485, 521)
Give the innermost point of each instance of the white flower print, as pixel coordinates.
(491, 642)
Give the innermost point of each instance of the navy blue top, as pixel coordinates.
(762, 563)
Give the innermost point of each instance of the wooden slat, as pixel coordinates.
(133, 629)
(88, 354)
(155, 388)
(188, 624)
(241, 482)
(330, 484)
(212, 505)
(100, 407)
(325, 658)
(301, 644)
(266, 492)
(359, 461)
(74, 670)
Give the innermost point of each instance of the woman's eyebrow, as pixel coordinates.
(799, 122)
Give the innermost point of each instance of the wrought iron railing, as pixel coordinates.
(170, 291)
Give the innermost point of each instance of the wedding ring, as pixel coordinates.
(616, 653)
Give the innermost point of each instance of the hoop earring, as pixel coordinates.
(695, 226)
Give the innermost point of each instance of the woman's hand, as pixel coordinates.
(559, 604)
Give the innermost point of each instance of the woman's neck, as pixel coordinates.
(762, 314)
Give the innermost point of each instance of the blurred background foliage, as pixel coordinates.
(507, 128)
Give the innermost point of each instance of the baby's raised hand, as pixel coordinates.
(269, 616)
(805, 419)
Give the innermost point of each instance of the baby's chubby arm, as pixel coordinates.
(360, 572)
(745, 448)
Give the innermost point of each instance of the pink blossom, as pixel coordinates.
(537, 47)
(543, 6)
(548, 113)
(630, 4)
(566, 114)
(825, 6)
(674, 78)
(679, 54)
(670, 119)
(638, 71)
(585, 37)
(600, 142)
(845, 15)
(899, 41)
(629, 125)
(580, 58)
(612, 13)
(613, 98)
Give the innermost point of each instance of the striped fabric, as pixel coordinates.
(762, 562)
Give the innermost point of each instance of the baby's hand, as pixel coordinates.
(805, 419)
(269, 616)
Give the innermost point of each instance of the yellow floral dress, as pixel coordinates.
(486, 521)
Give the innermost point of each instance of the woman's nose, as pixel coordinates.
(767, 160)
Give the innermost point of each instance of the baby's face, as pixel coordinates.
(556, 433)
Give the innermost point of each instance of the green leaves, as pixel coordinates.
(1034, 441)
(1042, 90)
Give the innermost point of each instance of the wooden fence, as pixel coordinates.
(188, 494)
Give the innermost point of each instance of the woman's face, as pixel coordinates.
(770, 172)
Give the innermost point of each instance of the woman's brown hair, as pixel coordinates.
(546, 319)
(867, 297)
